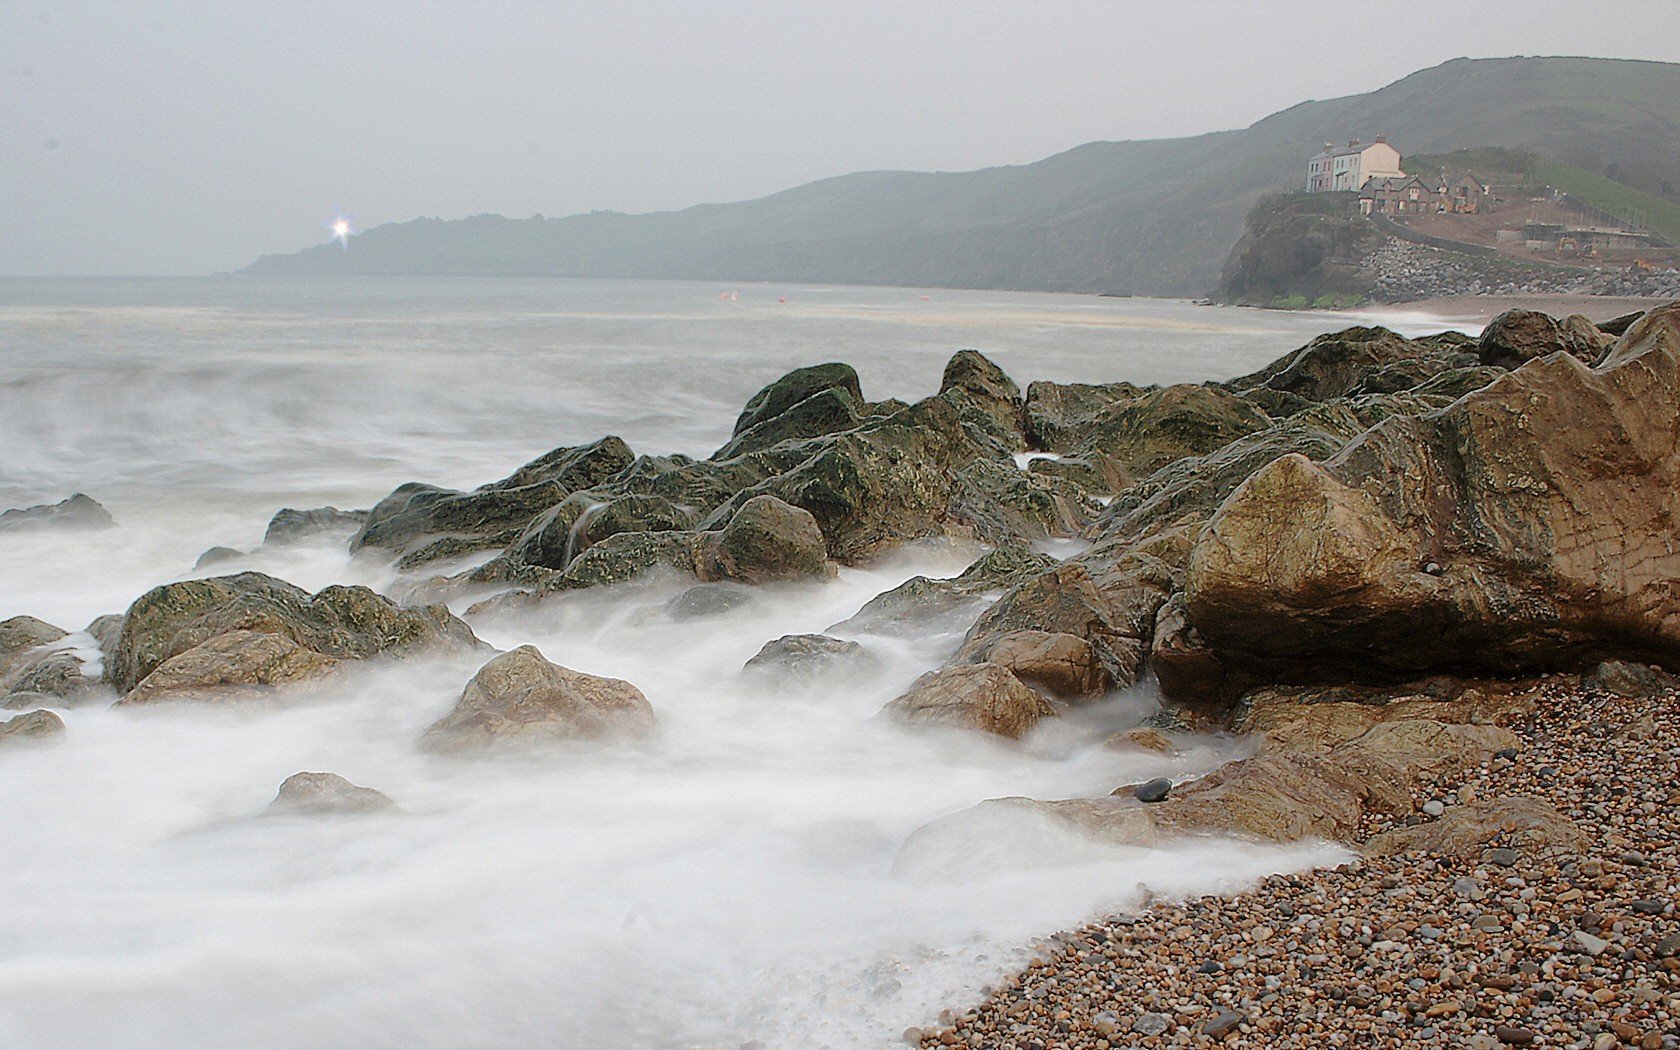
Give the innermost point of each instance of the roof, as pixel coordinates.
(1347, 151)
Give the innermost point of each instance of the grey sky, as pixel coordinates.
(189, 137)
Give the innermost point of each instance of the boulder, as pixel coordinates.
(327, 794)
(491, 515)
(105, 630)
(521, 697)
(1520, 821)
(793, 388)
(1064, 665)
(289, 526)
(825, 412)
(234, 667)
(1064, 601)
(807, 656)
(983, 697)
(1337, 364)
(1518, 336)
(1062, 416)
(765, 539)
(338, 623)
(217, 556)
(987, 399)
(1142, 739)
(77, 512)
(708, 599)
(1472, 538)
(922, 605)
(1618, 326)
(1625, 678)
(1146, 433)
(553, 539)
(31, 726)
(56, 674)
(20, 635)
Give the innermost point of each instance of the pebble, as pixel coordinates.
(1434, 807)
(1153, 790)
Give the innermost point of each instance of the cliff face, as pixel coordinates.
(1152, 217)
(1301, 249)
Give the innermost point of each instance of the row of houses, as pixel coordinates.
(1373, 171)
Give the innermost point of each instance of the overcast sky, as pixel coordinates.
(190, 137)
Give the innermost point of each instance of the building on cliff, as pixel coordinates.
(1460, 193)
(1348, 168)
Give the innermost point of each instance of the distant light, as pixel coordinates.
(342, 227)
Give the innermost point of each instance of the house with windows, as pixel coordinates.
(1348, 168)
(1462, 194)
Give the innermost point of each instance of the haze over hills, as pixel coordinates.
(1144, 217)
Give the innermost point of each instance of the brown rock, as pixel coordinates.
(1062, 664)
(31, 725)
(1064, 600)
(1142, 738)
(326, 794)
(1462, 831)
(519, 696)
(1518, 336)
(765, 540)
(983, 696)
(239, 666)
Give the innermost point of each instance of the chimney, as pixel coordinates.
(1352, 143)
(1383, 139)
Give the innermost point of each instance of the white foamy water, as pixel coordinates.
(729, 880)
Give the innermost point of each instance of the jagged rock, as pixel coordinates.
(983, 697)
(1145, 433)
(289, 526)
(580, 521)
(708, 599)
(1454, 383)
(1472, 538)
(799, 656)
(77, 512)
(327, 794)
(796, 386)
(1000, 503)
(519, 696)
(217, 556)
(31, 726)
(1521, 821)
(1063, 600)
(764, 540)
(1518, 336)
(1062, 416)
(872, 488)
(987, 398)
(340, 623)
(1336, 364)
(1617, 326)
(922, 605)
(1063, 665)
(20, 635)
(235, 667)
(824, 412)
(494, 514)
(1070, 469)
(1629, 679)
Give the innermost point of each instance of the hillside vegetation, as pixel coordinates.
(1144, 217)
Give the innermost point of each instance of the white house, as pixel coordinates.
(1350, 167)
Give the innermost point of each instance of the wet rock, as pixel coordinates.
(1518, 336)
(22, 634)
(31, 726)
(492, 515)
(765, 539)
(290, 526)
(327, 794)
(1065, 600)
(1063, 665)
(1062, 416)
(77, 512)
(57, 675)
(824, 412)
(1000, 503)
(1146, 433)
(1142, 739)
(982, 697)
(924, 605)
(1339, 363)
(556, 537)
(1152, 791)
(986, 398)
(1618, 326)
(795, 387)
(105, 630)
(338, 623)
(521, 697)
(1312, 572)
(232, 667)
(803, 656)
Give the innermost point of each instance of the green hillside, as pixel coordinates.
(1620, 200)
(1141, 217)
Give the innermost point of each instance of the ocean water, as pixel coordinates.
(729, 881)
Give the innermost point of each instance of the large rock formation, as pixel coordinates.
(77, 512)
(1527, 525)
(521, 697)
(251, 630)
(1519, 336)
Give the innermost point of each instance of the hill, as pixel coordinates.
(1144, 217)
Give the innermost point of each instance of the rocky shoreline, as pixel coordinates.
(1415, 574)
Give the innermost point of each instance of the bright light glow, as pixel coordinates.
(342, 227)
